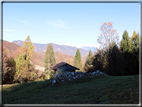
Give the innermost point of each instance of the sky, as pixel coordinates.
(74, 24)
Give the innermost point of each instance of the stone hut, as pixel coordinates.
(63, 67)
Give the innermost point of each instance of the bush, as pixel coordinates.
(9, 70)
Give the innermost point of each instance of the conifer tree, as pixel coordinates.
(134, 35)
(125, 44)
(24, 69)
(27, 44)
(88, 62)
(28, 50)
(114, 60)
(49, 60)
(89, 55)
(135, 45)
(77, 60)
(135, 57)
(132, 41)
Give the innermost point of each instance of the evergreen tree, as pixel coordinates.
(77, 60)
(28, 50)
(97, 62)
(89, 56)
(27, 44)
(135, 45)
(131, 41)
(130, 45)
(135, 54)
(126, 48)
(134, 35)
(130, 49)
(125, 44)
(114, 61)
(49, 60)
(88, 62)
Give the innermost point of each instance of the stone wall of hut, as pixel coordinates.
(64, 69)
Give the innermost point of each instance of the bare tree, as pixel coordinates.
(108, 35)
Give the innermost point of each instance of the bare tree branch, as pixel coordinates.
(108, 35)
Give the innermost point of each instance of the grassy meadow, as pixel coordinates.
(94, 90)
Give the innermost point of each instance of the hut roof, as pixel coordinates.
(55, 67)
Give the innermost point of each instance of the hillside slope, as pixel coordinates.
(37, 56)
(65, 49)
(96, 90)
(10, 47)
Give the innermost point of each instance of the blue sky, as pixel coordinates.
(74, 24)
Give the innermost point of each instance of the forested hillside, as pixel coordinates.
(38, 56)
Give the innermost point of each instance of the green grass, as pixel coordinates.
(96, 90)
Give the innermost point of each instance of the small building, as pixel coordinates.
(63, 67)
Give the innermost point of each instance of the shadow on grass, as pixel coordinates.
(92, 90)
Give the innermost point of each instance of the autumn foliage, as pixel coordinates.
(8, 69)
(24, 65)
(115, 60)
(108, 35)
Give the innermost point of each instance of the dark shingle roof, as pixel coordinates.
(61, 64)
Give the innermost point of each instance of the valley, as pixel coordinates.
(62, 52)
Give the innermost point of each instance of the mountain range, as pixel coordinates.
(65, 49)
(62, 52)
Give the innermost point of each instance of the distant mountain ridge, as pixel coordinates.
(65, 49)
(12, 48)
(88, 48)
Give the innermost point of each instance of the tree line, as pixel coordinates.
(20, 67)
(50, 61)
(112, 58)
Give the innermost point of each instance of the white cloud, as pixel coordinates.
(57, 24)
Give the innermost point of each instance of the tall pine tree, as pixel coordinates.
(135, 45)
(77, 60)
(125, 44)
(132, 41)
(134, 35)
(49, 61)
(130, 49)
(88, 62)
(135, 57)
